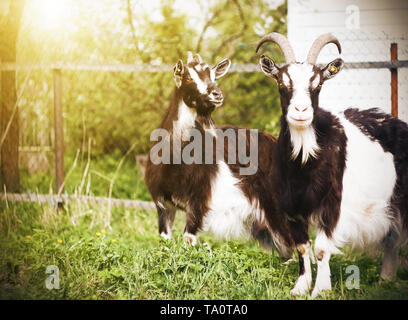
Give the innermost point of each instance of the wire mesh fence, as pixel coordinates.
(366, 80)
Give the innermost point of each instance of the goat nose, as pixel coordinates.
(301, 109)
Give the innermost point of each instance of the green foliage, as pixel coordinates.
(244, 108)
(92, 177)
(118, 109)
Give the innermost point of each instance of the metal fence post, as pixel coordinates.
(394, 81)
(59, 132)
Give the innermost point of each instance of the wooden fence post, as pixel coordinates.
(394, 81)
(59, 132)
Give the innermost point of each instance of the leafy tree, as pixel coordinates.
(117, 110)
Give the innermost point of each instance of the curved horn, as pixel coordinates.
(197, 57)
(282, 42)
(318, 45)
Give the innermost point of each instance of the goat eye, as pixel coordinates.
(188, 78)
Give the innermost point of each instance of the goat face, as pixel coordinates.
(196, 82)
(299, 88)
(299, 83)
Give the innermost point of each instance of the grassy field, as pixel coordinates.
(128, 260)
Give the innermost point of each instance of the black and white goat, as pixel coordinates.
(346, 172)
(215, 196)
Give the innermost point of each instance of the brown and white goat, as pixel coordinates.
(216, 196)
(347, 172)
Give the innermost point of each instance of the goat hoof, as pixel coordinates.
(301, 288)
(296, 292)
(190, 238)
(317, 291)
(387, 274)
(289, 261)
(165, 235)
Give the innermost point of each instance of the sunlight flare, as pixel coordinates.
(51, 14)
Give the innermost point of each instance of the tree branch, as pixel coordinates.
(234, 36)
(133, 30)
(206, 26)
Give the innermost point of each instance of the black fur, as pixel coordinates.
(313, 188)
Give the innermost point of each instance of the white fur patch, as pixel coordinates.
(200, 67)
(190, 57)
(286, 79)
(190, 238)
(322, 243)
(231, 214)
(368, 185)
(316, 81)
(185, 121)
(211, 130)
(303, 139)
(300, 112)
(300, 74)
(212, 75)
(323, 281)
(165, 235)
(304, 282)
(323, 248)
(201, 86)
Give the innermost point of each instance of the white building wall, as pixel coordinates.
(381, 22)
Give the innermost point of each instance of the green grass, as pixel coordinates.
(92, 177)
(130, 261)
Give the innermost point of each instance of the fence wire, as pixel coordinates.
(366, 86)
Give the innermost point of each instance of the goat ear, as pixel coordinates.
(222, 68)
(178, 73)
(268, 66)
(332, 69)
